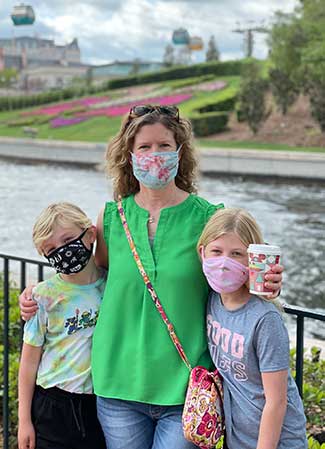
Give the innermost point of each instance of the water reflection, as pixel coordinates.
(290, 215)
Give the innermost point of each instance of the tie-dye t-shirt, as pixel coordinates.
(63, 326)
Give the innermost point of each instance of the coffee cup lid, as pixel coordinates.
(264, 249)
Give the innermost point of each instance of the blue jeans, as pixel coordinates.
(134, 425)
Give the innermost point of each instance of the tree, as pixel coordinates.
(7, 77)
(317, 101)
(298, 51)
(169, 57)
(286, 42)
(252, 101)
(212, 53)
(312, 14)
(285, 91)
(136, 65)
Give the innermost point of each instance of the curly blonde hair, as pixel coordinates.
(118, 165)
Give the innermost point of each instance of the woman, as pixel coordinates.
(138, 375)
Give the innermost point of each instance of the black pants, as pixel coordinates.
(66, 420)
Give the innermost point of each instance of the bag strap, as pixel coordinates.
(150, 288)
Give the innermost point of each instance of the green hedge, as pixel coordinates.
(226, 68)
(209, 123)
(177, 84)
(223, 105)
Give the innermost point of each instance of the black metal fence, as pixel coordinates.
(20, 280)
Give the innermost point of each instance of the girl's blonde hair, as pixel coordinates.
(118, 165)
(62, 214)
(234, 220)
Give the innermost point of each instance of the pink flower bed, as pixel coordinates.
(109, 111)
(62, 107)
(113, 111)
(215, 85)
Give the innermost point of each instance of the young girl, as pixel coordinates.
(248, 342)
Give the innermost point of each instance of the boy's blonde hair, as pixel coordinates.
(234, 220)
(62, 214)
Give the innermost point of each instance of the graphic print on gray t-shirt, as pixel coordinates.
(243, 343)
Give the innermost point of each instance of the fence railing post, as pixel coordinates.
(300, 353)
(22, 286)
(6, 354)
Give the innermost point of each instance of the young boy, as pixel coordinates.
(56, 406)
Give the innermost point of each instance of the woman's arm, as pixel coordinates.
(29, 363)
(275, 390)
(28, 307)
(101, 253)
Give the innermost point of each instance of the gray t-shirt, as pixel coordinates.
(244, 343)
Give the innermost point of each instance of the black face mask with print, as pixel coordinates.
(71, 257)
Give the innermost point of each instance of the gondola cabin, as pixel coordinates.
(23, 15)
(181, 37)
(196, 43)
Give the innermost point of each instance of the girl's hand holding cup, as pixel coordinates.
(265, 273)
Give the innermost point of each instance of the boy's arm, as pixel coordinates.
(29, 363)
(275, 390)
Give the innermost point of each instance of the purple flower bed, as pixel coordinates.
(61, 121)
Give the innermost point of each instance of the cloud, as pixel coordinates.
(128, 29)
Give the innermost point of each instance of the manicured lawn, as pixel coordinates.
(97, 129)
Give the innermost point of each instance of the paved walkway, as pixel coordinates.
(285, 164)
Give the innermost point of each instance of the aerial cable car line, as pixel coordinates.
(249, 37)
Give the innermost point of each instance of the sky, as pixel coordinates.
(109, 30)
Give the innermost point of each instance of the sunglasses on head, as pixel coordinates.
(140, 110)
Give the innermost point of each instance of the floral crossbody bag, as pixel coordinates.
(203, 416)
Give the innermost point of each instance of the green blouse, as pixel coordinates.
(133, 357)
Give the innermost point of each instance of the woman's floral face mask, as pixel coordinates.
(157, 169)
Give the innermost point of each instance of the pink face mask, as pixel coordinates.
(224, 275)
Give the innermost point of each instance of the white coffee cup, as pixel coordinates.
(261, 259)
